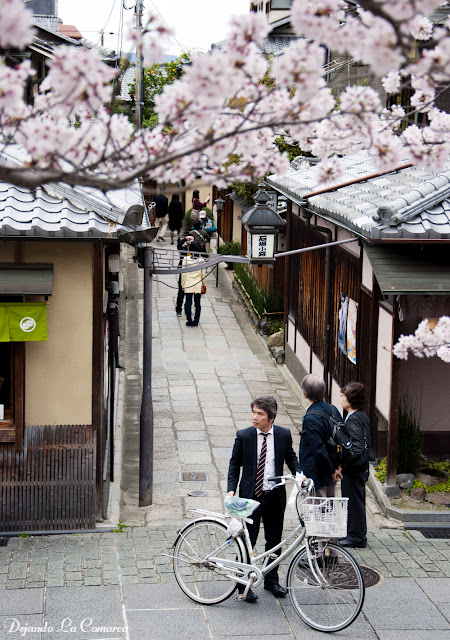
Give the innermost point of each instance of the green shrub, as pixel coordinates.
(410, 441)
(380, 470)
(263, 302)
(230, 249)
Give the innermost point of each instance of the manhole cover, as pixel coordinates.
(342, 575)
(193, 476)
(370, 576)
(197, 494)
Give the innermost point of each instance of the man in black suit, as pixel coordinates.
(261, 451)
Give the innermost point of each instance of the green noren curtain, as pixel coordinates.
(23, 321)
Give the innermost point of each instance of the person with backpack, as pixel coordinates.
(192, 283)
(356, 469)
(200, 236)
(315, 454)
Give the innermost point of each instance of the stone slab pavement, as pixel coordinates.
(118, 586)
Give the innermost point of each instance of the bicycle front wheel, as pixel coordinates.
(330, 597)
(200, 579)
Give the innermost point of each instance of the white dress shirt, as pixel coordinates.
(269, 470)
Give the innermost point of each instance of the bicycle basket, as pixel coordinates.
(325, 517)
(240, 507)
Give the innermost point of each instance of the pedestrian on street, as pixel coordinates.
(260, 452)
(197, 206)
(356, 473)
(314, 458)
(176, 216)
(182, 246)
(161, 211)
(192, 283)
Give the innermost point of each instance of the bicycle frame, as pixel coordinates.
(252, 574)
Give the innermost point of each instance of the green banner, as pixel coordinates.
(23, 322)
(4, 326)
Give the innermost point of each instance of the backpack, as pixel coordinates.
(339, 444)
(199, 238)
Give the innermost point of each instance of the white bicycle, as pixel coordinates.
(324, 581)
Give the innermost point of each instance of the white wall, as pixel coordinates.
(352, 247)
(336, 394)
(303, 351)
(317, 366)
(367, 272)
(384, 350)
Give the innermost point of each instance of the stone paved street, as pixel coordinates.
(118, 585)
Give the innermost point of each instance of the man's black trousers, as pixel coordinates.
(272, 515)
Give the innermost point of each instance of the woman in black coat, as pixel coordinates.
(176, 216)
(356, 474)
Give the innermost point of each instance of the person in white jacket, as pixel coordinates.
(191, 283)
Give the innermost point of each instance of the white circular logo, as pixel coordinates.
(27, 324)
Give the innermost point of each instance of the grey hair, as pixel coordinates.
(313, 387)
(267, 404)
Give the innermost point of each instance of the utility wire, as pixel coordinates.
(109, 17)
(162, 18)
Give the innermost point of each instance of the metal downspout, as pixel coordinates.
(307, 215)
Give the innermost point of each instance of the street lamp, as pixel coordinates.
(262, 224)
(219, 206)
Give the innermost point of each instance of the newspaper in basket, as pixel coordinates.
(325, 517)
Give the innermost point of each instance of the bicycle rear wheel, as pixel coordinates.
(332, 599)
(200, 579)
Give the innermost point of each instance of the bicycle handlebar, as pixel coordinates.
(303, 481)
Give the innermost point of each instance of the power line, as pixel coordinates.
(109, 17)
(162, 18)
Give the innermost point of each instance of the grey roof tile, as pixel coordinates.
(419, 198)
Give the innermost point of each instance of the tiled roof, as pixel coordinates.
(58, 210)
(128, 78)
(411, 202)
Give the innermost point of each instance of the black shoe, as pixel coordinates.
(357, 544)
(189, 323)
(179, 314)
(277, 590)
(251, 597)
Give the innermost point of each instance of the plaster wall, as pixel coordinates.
(426, 381)
(317, 366)
(237, 224)
(58, 382)
(303, 351)
(367, 272)
(336, 394)
(383, 376)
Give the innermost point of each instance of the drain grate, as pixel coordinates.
(443, 532)
(193, 476)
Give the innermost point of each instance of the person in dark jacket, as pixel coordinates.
(161, 211)
(314, 459)
(176, 216)
(260, 452)
(353, 485)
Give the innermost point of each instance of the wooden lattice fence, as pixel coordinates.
(50, 485)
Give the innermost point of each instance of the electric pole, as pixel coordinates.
(139, 84)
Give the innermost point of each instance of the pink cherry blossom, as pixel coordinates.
(16, 24)
(426, 342)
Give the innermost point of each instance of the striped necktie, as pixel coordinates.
(261, 467)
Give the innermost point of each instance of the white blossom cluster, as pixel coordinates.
(426, 341)
(221, 108)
